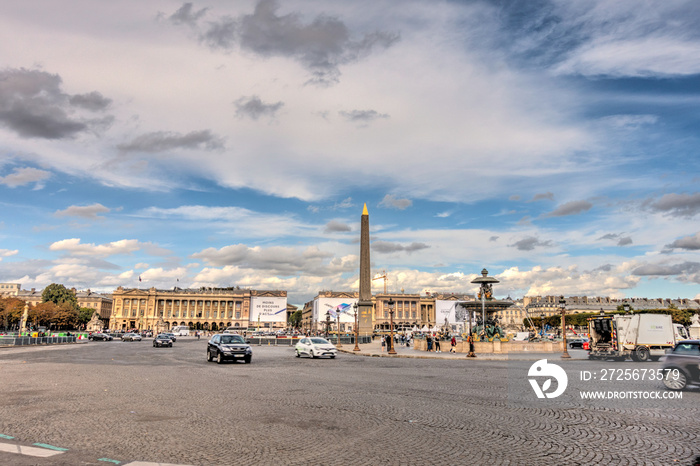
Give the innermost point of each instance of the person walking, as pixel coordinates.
(437, 344)
(383, 342)
(453, 344)
(429, 340)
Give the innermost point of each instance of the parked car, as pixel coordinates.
(131, 337)
(100, 336)
(162, 340)
(223, 347)
(681, 366)
(577, 342)
(315, 347)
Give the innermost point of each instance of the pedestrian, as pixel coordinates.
(429, 340)
(437, 344)
(383, 343)
(453, 344)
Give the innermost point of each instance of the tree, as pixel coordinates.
(59, 294)
(11, 310)
(66, 318)
(84, 315)
(295, 318)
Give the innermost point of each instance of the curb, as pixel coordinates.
(484, 357)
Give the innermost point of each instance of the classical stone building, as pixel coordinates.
(100, 302)
(202, 308)
(410, 310)
(9, 289)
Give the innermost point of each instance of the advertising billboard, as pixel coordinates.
(449, 310)
(268, 309)
(323, 305)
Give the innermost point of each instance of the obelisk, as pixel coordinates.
(364, 303)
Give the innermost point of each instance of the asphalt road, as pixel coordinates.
(120, 402)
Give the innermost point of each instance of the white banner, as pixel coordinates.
(445, 309)
(323, 305)
(268, 309)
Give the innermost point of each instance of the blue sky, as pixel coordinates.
(221, 143)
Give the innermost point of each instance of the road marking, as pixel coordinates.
(50, 447)
(30, 451)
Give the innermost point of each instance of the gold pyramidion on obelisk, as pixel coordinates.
(364, 303)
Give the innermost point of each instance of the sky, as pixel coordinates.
(219, 143)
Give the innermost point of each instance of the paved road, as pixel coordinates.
(129, 402)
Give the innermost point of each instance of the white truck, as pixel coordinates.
(639, 336)
(681, 332)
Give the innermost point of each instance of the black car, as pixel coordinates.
(170, 335)
(681, 367)
(226, 346)
(162, 340)
(100, 336)
(577, 342)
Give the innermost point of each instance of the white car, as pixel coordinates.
(315, 347)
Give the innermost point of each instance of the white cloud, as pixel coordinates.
(88, 211)
(75, 247)
(24, 176)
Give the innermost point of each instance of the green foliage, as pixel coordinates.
(59, 294)
(85, 314)
(295, 318)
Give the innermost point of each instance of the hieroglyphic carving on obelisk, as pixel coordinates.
(364, 303)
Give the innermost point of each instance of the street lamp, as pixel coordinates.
(626, 307)
(391, 326)
(357, 333)
(542, 317)
(562, 305)
(337, 313)
(470, 339)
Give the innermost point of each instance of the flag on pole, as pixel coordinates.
(139, 277)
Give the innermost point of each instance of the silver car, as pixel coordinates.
(131, 337)
(315, 347)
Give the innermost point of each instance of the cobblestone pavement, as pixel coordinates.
(128, 402)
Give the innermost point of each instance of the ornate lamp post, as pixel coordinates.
(328, 323)
(391, 326)
(626, 308)
(470, 339)
(357, 330)
(338, 333)
(562, 306)
(542, 318)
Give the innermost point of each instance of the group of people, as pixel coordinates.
(433, 342)
(403, 339)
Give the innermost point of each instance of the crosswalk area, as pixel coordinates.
(51, 454)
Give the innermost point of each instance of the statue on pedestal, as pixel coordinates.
(95, 324)
(694, 329)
